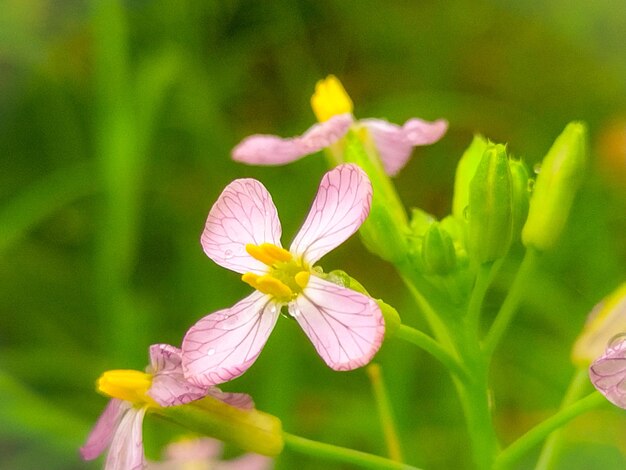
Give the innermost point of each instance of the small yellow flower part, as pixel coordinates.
(302, 278)
(330, 99)
(127, 385)
(268, 285)
(268, 253)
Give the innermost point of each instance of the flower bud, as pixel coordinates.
(383, 232)
(490, 198)
(561, 174)
(606, 321)
(520, 194)
(464, 173)
(420, 221)
(438, 253)
(250, 430)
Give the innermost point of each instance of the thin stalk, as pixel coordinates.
(320, 450)
(483, 279)
(537, 434)
(511, 302)
(384, 412)
(549, 453)
(435, 349)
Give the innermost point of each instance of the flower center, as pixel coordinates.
(287, 276)
(330, 99)
(127, 385)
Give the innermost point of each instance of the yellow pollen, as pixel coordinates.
(330, 99)
(268, 285)
(302, 278)
(127, 385)
(268, 253)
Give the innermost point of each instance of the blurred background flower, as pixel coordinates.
(116, 124)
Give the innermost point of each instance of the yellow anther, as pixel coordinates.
(302, 278)
(268, 253)
(330, 99)
(127, 385)
(269, 285)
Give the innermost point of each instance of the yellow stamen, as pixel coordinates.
(330, 99)
(268, 253)
(302, 278)
(127, 385)
(268, 285)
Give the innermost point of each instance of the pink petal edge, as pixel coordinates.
(608, 374)
(341, 205)
(262, 149)
(244, 213)
(101, 435)
(395, 144)
(347, 328)
(224, 344)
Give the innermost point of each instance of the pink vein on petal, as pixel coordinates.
(395, 143)
(346, 327)
(608, 374)
(264, 149)
(244, 213)
(341, 205)
(224, 344)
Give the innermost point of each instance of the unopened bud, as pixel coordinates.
(465, 172)
(490, 219)
(561, 174)
(438, 253)
(520, 194)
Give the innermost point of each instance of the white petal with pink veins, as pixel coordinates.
(102, 433)
(395, 143)
(244, 213)
(341, 205)
(126, 451)
(224, 344)
(263, 149)
(608, 374)
(346, 327)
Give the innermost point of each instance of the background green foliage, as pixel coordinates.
(115, 132)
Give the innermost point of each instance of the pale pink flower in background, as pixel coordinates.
(608, 372)
(333, 107)
(119, 427)
(204, 454)
(242, 233)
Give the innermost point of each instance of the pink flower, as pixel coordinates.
(333, 107)
(119, 427)
(608, 372)
(204, 454)
(242, 234)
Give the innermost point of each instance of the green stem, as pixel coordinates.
(549, 453)
(320, 450)
(511, 302)
(483, 279)
(384, 412)
(537, 434)
(428, 344)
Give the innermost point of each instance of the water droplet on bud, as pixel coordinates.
(210, 352)
(537, 168)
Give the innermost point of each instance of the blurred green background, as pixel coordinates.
(116, 123)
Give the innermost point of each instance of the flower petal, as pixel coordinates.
(164, 358)
(238, 400)
(246, 462)
(608, 374)
(273, 150)
(224, 344)
(395, 143)
(341, 205)
(244, 213)
(126, 452)
(346, 327)
(102, 433)
(202, 448)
